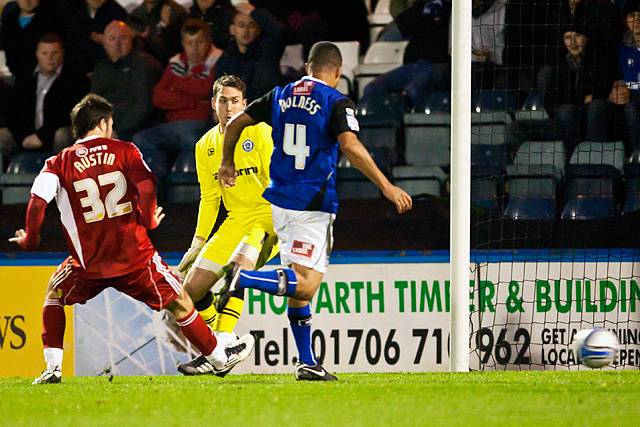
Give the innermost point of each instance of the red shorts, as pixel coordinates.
(154, 284)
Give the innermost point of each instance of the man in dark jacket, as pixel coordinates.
(254, 55)
(126, 79)
(42, 103)
(23, 23)
(84, 38)
(579, 86)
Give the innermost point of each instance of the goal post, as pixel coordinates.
(460, 226)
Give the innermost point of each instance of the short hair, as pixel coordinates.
(193, 26)
(229, 81)
(50, 38)
(324, 55)
(88, 113)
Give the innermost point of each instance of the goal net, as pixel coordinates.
(554, 181)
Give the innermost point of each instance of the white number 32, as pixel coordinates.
(111, 205)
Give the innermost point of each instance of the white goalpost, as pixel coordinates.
(460, 225)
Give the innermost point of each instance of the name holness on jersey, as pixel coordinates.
(93, 157)
(302, 102)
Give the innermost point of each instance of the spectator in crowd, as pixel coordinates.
(41, 104)
(218, 14)
(579, 87)
(600, 15)
(85, 35)
(184, 93)
(23, 23)
(159, 23)
(126, 79)
(426, 59)
(254, 55)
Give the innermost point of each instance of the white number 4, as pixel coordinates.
(111, 204)
(296, 146)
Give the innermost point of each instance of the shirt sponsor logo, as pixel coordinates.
(302, 248)
(247, 145)
(304, 87)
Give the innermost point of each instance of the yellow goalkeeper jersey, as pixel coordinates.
(252, 158)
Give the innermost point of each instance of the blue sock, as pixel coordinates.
(300, 318)
(281, 282)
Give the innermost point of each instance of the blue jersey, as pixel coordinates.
(306, 117)
(629, 61)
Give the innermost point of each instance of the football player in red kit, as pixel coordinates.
(106, 196)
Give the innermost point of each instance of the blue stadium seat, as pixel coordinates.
(631, 195)
(157, 162)
(531, 198)
(494, 156)
(185, 162)
(539, 158)
(418, 181)
(486, 194)
(182, 183)
(494, 100)
(427, 139)
(27, 162)
(433, 103)
(353, 185)
(490, 127)
(380, 118)
(590, 198)
(381, 108)
(21, 171)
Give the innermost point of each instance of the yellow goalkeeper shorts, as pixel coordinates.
(251, 236)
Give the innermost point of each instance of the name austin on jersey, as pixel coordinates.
(89, 158)
(302, 102)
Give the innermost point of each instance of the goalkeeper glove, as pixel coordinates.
(190, 256)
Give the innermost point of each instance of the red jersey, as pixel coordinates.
(94, 184)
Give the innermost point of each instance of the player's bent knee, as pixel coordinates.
(198, 282)
(181, 306)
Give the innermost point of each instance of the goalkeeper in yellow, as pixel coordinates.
(246, 236)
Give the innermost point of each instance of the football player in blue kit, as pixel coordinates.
(310, 121)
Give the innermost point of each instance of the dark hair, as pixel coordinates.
(193, 26)
(50, 38)
(324, 55)
(229, 81)
(88, 113)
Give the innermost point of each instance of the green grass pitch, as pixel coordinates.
(479, 399)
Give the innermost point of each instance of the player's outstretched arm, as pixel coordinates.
(29, 239)
(150, 214)
(361, 160)
(227, 172)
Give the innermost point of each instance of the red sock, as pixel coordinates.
(53, 322)
(197, 332)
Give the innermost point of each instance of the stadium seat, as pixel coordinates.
(485, 194)
(419, 181)
(380, 118)
(631, 195)
(489, 128)
(379, 19)
(593, 174)
(539, 158)
(494, 100)
(27, 162)
(380, 58)
(533, 108)
(182, 183)
(435, 102)
(532, 198)
(353, 185)
(384, 108)
(350, 59)
(427, 139)
(292, 60)
(488, 155)
(21, 171)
